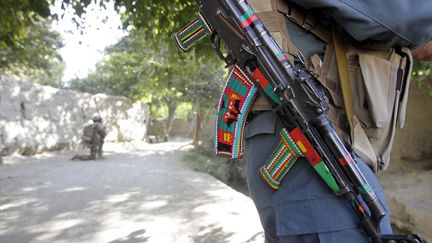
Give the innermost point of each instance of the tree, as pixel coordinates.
(158, 18)
(17, 16)
(147, 60)
(422, 75)
(28, 48)
(156, 74)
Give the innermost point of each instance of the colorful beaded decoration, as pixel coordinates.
(266, 86)
(234, 106)
(314, 159)
(281, 160)
(292, 146)
(192, 33)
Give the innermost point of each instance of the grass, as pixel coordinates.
(202, 162)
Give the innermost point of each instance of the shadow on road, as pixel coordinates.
(136, 194)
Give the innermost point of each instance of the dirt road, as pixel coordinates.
(138, 193)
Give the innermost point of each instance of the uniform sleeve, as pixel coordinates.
(384, 22)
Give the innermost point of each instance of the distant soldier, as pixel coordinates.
(93, 138)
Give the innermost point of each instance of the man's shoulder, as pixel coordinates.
(365, 20)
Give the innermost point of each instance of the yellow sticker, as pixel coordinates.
(301, 146)
(227, 137)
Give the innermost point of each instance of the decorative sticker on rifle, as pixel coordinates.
(292, 146)
(234, 105)
(248, 18)
(314, 159)
(192, 33)
(281, 160)
(266, 86)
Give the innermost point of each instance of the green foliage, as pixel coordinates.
(17, 16)
(156, 17)
(228, 171)
(422, 75)
(203, 162)
(28, 48)
(160, 19)
(26, 52)
(50, 76)
(184, 111)
(155, 74)
(119, 74)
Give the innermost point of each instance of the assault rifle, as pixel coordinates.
(302, 101)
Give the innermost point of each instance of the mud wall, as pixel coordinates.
(414, 141)
(35, 118)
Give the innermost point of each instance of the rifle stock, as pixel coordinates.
(301, 101)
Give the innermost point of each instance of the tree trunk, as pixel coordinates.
(172, 107)
(149, 121)
(198, 119)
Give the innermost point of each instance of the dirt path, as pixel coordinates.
(408, 187)
(138, 193)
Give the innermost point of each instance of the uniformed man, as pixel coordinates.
(93, 138)
(304, 209)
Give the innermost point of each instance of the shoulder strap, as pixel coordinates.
(342, 65)
(359, 140)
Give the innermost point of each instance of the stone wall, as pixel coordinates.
(407, 182)
(414, 140)
(35, 118)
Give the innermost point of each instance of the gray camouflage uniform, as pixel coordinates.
(96, 143)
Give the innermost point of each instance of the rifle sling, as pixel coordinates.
(342, 66)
